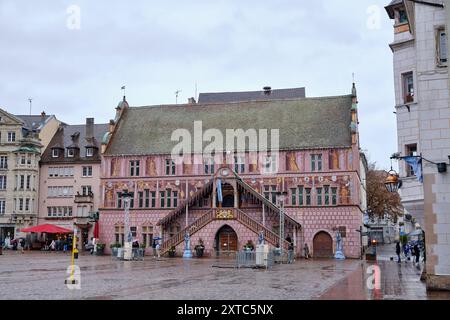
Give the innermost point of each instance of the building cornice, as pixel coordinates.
(401, 44)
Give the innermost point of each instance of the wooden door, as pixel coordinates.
(228, 240)
(322, 245)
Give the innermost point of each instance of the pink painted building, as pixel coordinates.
(70, 178)
(318, 165)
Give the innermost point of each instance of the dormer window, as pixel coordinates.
(55, 153)
(89, 152)
(70, 153)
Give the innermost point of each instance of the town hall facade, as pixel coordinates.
(317, 165)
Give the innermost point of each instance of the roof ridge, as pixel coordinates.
(293, 88)
(239, 102)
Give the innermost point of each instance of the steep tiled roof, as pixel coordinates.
(33, 122)
(63, 139)
(220, 97)
(303, 123)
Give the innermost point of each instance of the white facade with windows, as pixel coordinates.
(420, 51)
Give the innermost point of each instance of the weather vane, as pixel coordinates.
(176, 96)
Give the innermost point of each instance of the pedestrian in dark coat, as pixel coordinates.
(397, 251)
(417, 253)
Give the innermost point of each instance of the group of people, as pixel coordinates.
(60, 244)
(409, 251)
(291, 250)
(18, 244)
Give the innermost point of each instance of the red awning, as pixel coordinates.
(47, 228)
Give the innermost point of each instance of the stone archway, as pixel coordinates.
(226, 240)
(322, 245)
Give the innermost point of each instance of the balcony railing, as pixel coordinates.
(84, 198)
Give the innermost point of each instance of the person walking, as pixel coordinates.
(65, 244)
(290, 252)
(158, 250)
(417, 253)
(398, 251)
(21, 245)
(154, 248)
(306, 251)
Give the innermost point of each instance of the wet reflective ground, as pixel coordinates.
(37, 275)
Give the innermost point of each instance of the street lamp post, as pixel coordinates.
(126, 197)
(281, 196)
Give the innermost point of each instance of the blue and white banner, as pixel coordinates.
(219, 190)
(416, 165)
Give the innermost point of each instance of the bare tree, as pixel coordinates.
(381, 202)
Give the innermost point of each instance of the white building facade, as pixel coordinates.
(420, 51)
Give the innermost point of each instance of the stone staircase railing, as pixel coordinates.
(257, 227)
(192, 228)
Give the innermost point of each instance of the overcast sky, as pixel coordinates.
(75, 68)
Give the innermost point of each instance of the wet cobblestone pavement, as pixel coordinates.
(37, 275)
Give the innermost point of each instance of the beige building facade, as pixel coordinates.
(20, 152)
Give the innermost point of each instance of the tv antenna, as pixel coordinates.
(31, 102)
(176, 96)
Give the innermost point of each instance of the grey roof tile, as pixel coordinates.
(303, 123)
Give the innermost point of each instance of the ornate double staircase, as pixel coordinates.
(218, 214)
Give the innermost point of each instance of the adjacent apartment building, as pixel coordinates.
(318, 165)
(420, 49)
(70, 178)
(21, 140)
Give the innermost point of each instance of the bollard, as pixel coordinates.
(75, 253)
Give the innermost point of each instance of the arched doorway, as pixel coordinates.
(226, 240)
(322, 245)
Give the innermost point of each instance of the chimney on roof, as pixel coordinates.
(267, 90)
(191, 100)
(43, 114)
(89, 128)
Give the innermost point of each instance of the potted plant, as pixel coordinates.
(114, 248)
(199, 248)
(172, 251)
(100, 249)
(249, 246)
